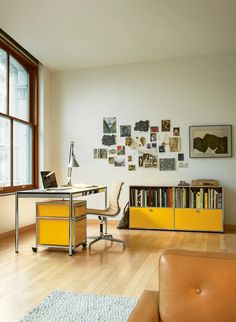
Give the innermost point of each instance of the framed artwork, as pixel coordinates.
(210, 141)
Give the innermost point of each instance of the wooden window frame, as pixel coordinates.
(31, 65)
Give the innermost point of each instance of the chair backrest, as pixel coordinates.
(114, 195)
(197, 286)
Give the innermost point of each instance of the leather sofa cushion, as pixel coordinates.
(197, 287)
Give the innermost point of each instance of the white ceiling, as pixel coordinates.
(72, 34)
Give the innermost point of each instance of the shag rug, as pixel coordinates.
(69, 307)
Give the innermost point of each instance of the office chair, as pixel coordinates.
(112, 211)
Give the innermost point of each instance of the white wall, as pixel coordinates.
(188, 91)
(27, 207)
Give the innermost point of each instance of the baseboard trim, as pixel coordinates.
(21, 230)
(230, 229)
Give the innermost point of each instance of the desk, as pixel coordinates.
(62, 194)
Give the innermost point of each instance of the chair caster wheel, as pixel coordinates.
(34, 249)
(84, 245)
(73, 252)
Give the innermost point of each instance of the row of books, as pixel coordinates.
(155, 197)
(198, 198)
(205, 198)
(182, 197)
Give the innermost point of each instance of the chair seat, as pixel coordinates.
(102, 212)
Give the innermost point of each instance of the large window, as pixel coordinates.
(18, 118)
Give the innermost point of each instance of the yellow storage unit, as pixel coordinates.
(53, 223)
(151, 218)
(199, 219)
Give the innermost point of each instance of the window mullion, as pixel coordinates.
(11, 138)
(8, 84)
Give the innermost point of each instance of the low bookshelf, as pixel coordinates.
(190, 208)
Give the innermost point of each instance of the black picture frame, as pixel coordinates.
(210, 141)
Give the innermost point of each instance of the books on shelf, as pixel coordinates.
(151, 197)
(178, 197)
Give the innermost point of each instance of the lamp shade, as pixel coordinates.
(73, 163)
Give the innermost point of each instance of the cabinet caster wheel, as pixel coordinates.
(84, 245)
(34, 249)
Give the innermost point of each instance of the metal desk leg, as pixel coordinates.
(70, 224)
(16, 223)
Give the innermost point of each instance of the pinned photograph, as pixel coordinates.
(154, 145)
(176, 131)
(165, 125)
(129, 158)
(109, 125)
(167, 164)
(102, 153)
(111, 160)
(180, 157)
(154, 129)
(150, 161)
(109, 139)
(119, 161)
(149, 145)
(125, 130)
(132, 167)
(128, 141)
(120, 150)
(153, 137)
(162, 147)
(174, 144)
(140, 161)
(142, 126)
(112, 151)
(95, 153)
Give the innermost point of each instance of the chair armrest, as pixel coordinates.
(146, 310)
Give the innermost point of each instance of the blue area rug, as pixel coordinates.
(69, 307)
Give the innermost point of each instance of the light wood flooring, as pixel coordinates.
(26, 278)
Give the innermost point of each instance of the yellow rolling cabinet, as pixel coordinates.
(187, 208)
(52, 224)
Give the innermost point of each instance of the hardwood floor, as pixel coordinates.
(26, 278)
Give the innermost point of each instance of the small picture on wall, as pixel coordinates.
(119, 161)
(167, 164)
(125, 130)
(111, 160)
(120, 150)
(128, 141)
(129, 158)
(131, 167)
(95, 153)
(109, 139)
(165, 125)
(140, 161)
(142, 126)
(154, 145)
(180, 157)
(112, 151)
(176, 131)
(174, 144)
(154, 129)
(109, 125)
(149, 145)
(162, 147)
(153, 137)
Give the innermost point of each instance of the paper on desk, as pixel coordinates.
(83, 185)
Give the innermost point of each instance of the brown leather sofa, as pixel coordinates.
(193, 287)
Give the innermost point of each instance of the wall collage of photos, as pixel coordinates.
(144, 146)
